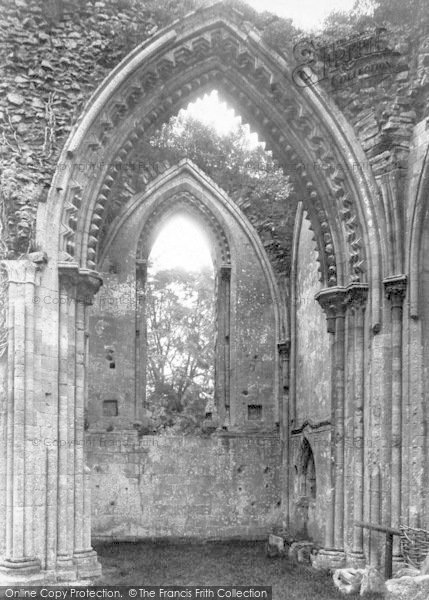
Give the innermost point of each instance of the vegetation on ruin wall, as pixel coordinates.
(54, 56)
(383, 107)
(55, 53)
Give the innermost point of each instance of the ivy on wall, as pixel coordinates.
(55, 53)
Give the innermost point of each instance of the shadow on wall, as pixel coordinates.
(305, 493)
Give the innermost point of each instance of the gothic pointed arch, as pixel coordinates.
(243, 277)
(212, 48)
(186, 186)
(306, 470)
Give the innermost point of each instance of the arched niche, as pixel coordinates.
(249, 322)
(307, 472)
(306, 506)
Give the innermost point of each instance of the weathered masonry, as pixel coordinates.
(321, 378)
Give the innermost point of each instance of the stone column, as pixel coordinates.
(19, 562)
(332, 300)
(223, 359)
(395, 289)
(141, 340)
(84, 557)
(284, 353)
(356, 298)
(73, 516)
(66, 425)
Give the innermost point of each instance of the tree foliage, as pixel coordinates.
(180, 347)
(370, 13)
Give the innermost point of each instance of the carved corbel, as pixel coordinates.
(356, 295)
(395, 289)
(333, 302)
(284, 349)
(89, 282)
(284, 353)
(81, 284)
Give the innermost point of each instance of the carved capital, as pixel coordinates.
(284, 349)
(333, 302)
(141, 270)
(68, 274)
(395, 289)
(24, 270)
(89, 283)
(81, 284)
(225, 273)
(356, 295)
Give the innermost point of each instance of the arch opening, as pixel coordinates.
(307, 472)
(209, 422)
(180, 328)
(102, 217)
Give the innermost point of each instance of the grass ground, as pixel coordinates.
(214, 563)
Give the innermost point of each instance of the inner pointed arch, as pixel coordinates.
(181, 243)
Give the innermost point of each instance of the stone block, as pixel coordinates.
(424, 570)
(275, 546)
(372, 582)
(348, 581)
(408, 588)
(301, 551)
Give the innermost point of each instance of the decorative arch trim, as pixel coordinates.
(210, 47)
(186, 180)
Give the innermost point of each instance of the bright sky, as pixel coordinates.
(210, 109)
(306, 14)
(181, 243)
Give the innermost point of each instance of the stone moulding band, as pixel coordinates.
(311, 425)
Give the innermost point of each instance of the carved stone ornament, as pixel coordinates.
(395, 289)
(148, 92)
(80, 284)
(333, 302)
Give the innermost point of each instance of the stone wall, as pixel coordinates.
(174, 486)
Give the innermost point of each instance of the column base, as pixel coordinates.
(398, 563)
(19, 571)
(65, 569)
(87, 565)
(329, 560)
(356, 560)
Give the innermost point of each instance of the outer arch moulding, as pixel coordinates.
(311, 126)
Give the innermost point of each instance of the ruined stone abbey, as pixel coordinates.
(321, 361)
